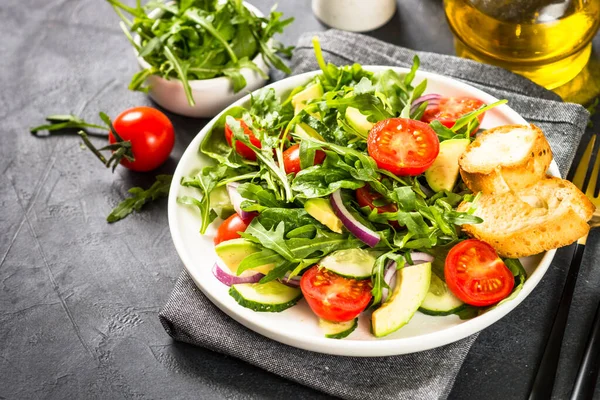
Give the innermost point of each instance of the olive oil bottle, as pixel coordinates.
(548, 41)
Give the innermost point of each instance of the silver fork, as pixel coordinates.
(587, 178)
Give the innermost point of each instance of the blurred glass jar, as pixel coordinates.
(548, 41)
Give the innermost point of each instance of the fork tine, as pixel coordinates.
(590, 166)
(577, 175)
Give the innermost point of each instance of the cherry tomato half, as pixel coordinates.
(449, 109)
(291, 159)
(240, 147)
(333, 297)
(151, 135)
(366, 197)
(403, 146)
(476, 275)
(230, 229)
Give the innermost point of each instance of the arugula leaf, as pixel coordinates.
(277, 272)
(466, 119)
(259, 194)
(319, 181)
(275, 172)
(270, 238)
(520, 275)
(469, 312)
(415, 93)
(323, 243)
(368, 104)
(443, 132)
(139, 197)
(205, 181)
(293, 219)
(377, 279)
(260, 259)
(214, 144)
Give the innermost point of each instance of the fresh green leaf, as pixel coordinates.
(215, 145)
(140, 197)
(205, 181)
(270, 238)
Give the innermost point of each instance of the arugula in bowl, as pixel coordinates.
(201, 39)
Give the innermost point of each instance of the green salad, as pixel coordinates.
(345, 192)
(201, 39)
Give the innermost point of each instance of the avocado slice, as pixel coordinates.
(303, 129)
(443, 173)
(321, 210)
(358, 121)
(412, 285)
(311, 92)
(220, 202)
(232, 252)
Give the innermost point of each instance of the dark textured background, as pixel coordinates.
(79, 298)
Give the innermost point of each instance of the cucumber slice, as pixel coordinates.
(268, 297)
(350, 263)
(337, 330)
(439, 300)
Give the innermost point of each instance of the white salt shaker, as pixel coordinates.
(354, 15)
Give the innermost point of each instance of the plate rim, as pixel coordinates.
(348, 347)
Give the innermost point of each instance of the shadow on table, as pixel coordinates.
(226, 372)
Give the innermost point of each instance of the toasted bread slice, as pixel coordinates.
(550, 214)
(510, 157)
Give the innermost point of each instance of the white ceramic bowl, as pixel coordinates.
(298, 326)
(210, 95)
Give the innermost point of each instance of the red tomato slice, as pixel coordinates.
(291, 159)
(151, 135)
(476, 275)
(366, 197)
(240, 147)
(403, 146)
(230, 229)
(333, 297)
(449, 109)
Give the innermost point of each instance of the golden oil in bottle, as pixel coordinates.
(548, 41)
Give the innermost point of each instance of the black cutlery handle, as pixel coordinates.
(585, 383)
(546, 374)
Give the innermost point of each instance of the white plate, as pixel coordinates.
(298, 326)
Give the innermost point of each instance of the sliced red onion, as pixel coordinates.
(389, 276)
(295, 283)
(229, 279)
(292, 282)
(370, 237)
(431, 98)
(236, 201)
(420, 258)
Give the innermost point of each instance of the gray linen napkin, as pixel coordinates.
(190, 317)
